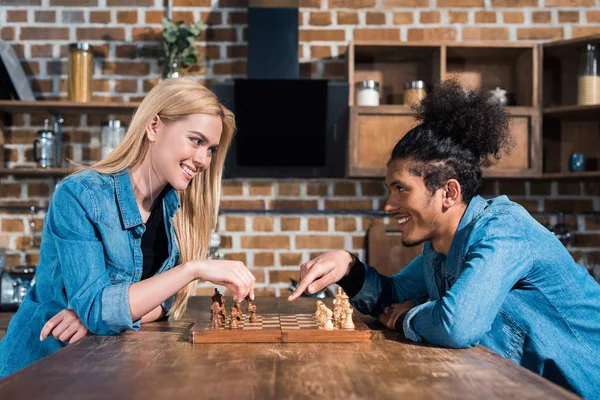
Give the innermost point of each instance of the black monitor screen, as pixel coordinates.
(281, 123)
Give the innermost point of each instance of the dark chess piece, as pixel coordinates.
(251, 308)
(236, 315)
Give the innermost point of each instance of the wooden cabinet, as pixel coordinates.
(375, 130)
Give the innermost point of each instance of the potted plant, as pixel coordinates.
(178, 51)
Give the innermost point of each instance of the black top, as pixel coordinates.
(155, 244)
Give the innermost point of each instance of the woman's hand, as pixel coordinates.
(232, 274)
(322, 271)
(64, 326)
(390, 314)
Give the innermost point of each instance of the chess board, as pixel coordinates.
(278, 328)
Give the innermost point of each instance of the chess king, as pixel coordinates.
(489, 273)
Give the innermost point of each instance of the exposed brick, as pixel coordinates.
(569, 187)
(513, 17)
(100, 17)
(32, 259)
(485, 17)
(31, 67)
(375, 18)
(101, 34)
(293, 204)
(154, 17)
(335, 69)
(125, 86)
(405, 3)
(314, 35)
(38, 190)
(460, 3)
(318, 224)
(403, 18)
(232, 188)
(73, 17)
(458, 17)
(45, 16)
(310, 3)
(586, 240)
(485, 34)
(316, 189)
(593, 16)
(125, 68)
(286, 259)
(567, 206)
(262, 224)
(320, 18)
(233, 3)
(12, 225)
(593, 258)
(372, 188)
(570, 3)
(90, 154)
(351, 3)
(541, 17)
(290, 224)
(288, 189)
(192, 3)
(265, 242)
(514, 3)
(512, 187)
(430, 17)
(140, 3)
(214, 52)
(539, 188)
(264, 259)
(283, 276)
(320, 51)
(344, 189)
(74, 3)
(128, 17)
(19, 50)
(146, 34)
(579, 31)
(16, 16)
(236, 257)
(44, 34)
(261, 189)
(359, 242)
(319, 242)
(530, 205)
(7, 33)
(539, 33)
(185, 17)
(226, 242)
(242, 204)
(345, 224)
(377, 34)
(219, 35)
(347, 18)
(237, 18)
(431, 34)
(568, 16)
(41, 50)
(591, 188)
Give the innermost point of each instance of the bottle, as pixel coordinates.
(588, 80)
(367, 93)
(44, 147)
(80, 72)
(113, 132)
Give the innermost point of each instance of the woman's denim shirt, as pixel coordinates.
(506, 283)
(90, 254)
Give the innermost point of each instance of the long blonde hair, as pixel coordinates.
(172, 100)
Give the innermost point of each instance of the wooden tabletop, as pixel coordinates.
(159, 362)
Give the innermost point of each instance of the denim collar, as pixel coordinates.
(128, 208)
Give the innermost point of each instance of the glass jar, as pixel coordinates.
(113, 132)
(367, 93)
(414, 92)
(588, 79)
(80, 72)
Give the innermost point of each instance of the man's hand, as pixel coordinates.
(390, 314)
(64, 326)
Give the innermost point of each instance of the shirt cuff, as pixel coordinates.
(115, 308)
(353, 282)
(409, 332)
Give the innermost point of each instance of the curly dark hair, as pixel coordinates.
(461, 130)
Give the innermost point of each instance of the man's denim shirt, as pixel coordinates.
(508, 284)
(90, 254)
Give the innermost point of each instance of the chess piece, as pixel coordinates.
(215, 309)
(235, 315)
(327, 322)
(223, 311)
(251, 308)
(329, 325)
(348, 323)
(217, 297)
(318, 312)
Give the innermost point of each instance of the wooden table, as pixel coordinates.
(159, 362)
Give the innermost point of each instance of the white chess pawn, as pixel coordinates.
(327, 322)
(348, 323)
(318, 312)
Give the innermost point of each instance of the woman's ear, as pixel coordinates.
(452, 193)
(152, 130)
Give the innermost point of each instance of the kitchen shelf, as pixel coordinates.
(66, 107)
(23, 171)
(571, 175)
(591, 112)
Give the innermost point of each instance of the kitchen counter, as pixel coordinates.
(160, 362)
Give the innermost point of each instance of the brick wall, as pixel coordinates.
(271, 244)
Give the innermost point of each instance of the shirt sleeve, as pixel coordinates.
(102, 307)
(379, 291)
(498, 258)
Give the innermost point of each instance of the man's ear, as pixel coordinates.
(152, 130)
(452, 193)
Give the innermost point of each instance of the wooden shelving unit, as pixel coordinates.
(35, 172)
(65, 107)
(375, 130)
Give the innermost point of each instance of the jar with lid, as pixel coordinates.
(113, 132)
(588, 79)
(44, 147)
(414, 92)
(367, 93)
(80, 72)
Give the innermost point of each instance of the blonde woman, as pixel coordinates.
(126, 239)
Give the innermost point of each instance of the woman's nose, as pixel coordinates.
(201, 158)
